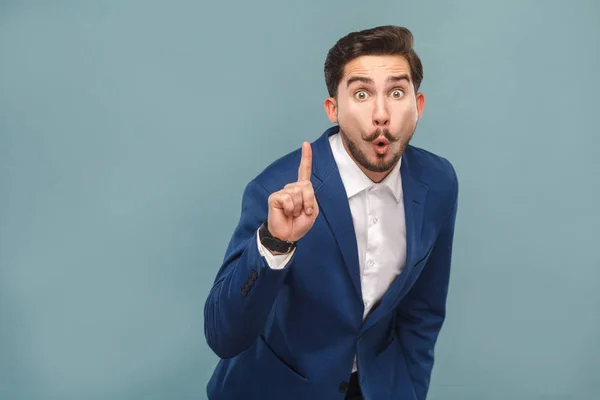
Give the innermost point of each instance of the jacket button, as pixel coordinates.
(344, 387)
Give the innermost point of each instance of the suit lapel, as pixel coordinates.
(415, 194)
(333, 203)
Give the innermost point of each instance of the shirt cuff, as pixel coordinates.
(275, 261)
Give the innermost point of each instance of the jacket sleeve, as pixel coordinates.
(422, 311)
(245, 287)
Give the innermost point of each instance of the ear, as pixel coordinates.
(331, 109)
(420, 104)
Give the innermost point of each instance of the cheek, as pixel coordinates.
(407, 118)
(355, 113)
(410, 111)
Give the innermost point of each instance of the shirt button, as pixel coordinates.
(375, 220)
(371, 262)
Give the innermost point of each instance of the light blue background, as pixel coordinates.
(128, 130)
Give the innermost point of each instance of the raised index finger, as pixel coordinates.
(305, 167)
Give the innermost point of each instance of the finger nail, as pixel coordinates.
(309, 210)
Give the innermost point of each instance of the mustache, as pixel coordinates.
(377, 133)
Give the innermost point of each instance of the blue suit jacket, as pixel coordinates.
(293, 333)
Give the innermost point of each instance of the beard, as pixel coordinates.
(380, 164)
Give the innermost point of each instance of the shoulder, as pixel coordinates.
(280, 172)
(436, 171)
(431, 165)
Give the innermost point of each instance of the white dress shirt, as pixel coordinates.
(378, 215)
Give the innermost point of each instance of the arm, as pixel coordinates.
(421, 313)
(247, 283)
(245, 288)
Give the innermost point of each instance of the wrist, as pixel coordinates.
(273, 244)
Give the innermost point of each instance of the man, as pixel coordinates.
(334, 283)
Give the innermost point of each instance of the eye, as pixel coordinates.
(361, 95)
(397, 93)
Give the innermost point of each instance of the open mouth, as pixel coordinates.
(381, 145)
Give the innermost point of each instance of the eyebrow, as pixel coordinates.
(369, 81)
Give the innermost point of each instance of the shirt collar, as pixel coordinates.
(354, 179)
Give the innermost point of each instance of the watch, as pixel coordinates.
(272, 243)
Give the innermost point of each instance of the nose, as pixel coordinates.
(381, 117)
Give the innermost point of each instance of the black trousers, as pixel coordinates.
(354, 392)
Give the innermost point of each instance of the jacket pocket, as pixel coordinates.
(426, 256)
(388, 343)
(275, 361)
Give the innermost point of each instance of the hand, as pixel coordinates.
(294, 209)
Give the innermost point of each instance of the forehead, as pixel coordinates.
(374, 66)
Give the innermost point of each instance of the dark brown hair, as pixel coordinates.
(381, 40)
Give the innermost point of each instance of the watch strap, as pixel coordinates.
(272, 243)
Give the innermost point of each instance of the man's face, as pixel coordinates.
(377, 110)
